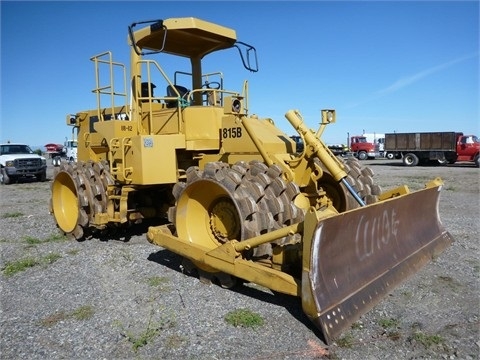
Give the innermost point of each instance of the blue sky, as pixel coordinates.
(384, 66)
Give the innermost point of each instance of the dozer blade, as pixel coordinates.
(357, 257)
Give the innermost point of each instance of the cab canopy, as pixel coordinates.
(189, 37)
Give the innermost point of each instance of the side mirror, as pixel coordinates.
(71, 119)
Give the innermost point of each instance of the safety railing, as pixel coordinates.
(120, 145)
(149, 66)
(105, 83)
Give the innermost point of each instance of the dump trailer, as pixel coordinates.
(228, 190)
(437, 147)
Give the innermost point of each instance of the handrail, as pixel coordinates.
(126, 142)
(215, 93)
(109, 89)
(150, 99)
(116, 145)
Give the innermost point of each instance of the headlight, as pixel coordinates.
(9, 163)
(328, 116)
(44, 161)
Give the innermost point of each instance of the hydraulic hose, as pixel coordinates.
(322, 152)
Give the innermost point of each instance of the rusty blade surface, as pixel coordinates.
(360, 256)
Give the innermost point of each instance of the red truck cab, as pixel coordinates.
(362, 149)
(468, 148)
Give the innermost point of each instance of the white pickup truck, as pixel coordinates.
(19, 161)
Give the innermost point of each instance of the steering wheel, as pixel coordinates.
(211, 85)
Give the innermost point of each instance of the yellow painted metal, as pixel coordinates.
(271, 138)
(401, 190)
(202, 124)
(101, 219)
(197, 207)
(102, 90)
(159, 121)
(434, 183)
(123, 213)
(258, 145)
(226, 259)
(148, 166)
(188, 37)
(115, 129)
(268, 237)
(318, 147)
(64, 203)
(328, 117)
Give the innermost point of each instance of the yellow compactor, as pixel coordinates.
(228, 189)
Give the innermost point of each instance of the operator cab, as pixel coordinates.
(189, 38)
(147, 91)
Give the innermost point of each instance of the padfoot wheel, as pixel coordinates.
(222, 203)
(360, 178)
(78, 193)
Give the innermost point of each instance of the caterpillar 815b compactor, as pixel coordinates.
(230, 192)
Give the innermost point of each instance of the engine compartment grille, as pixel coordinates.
(27, 163)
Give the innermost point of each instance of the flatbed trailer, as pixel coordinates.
(424, 147)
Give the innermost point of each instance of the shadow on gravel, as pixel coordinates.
(431, 164)
(291, 303)
(26, 180)
(385, 163)
(126, 234)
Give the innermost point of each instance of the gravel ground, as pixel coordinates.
(130, 300)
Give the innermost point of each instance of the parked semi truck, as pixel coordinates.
(67, 151)
(439, 147)
(378, 140)
(367, 146)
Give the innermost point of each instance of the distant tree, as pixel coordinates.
(38, 152)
